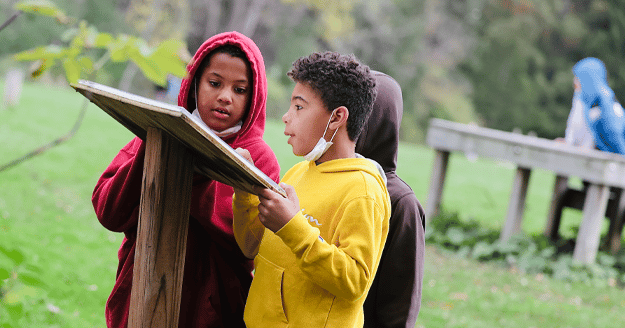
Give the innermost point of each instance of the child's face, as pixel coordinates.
(224, 91)
(305, 120)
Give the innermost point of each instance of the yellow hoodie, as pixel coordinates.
(316, 270)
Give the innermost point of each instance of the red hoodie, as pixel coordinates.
(216, 276)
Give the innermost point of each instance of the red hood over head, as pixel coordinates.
(254, 122)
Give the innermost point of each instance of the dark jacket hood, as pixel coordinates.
(379, 139)
(254, 122)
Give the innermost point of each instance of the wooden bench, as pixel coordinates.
(601, 170)
(565, 196)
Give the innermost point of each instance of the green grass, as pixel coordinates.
(45, 208)
(46, 213)
(462, 293)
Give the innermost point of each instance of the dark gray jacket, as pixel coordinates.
(395, 295)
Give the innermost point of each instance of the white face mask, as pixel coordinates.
(322, 145)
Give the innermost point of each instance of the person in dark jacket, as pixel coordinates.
(395, 295)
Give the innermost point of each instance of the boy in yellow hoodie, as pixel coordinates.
(316, 252)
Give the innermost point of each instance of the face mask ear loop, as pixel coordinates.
(327, 125)
(195, 80)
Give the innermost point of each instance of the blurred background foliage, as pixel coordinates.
(503, 64)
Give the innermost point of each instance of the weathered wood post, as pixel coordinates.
(555, 209)
(437, 181)
(516, 207)
(616, 226)
(587, 242)
(162, 232)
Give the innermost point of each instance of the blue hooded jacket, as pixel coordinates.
(608, 122)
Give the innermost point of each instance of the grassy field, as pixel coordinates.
(46, 214)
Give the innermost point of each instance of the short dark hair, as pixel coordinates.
(340, 80)
(230, 49)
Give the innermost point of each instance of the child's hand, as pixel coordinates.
(245, 153)
(274, 211)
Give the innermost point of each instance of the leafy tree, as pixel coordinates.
(84, 53)
(283, 30)
(33, 29)
(388, 37)
(86, 49)
(605, 39)
(155, 21)
(521, 66)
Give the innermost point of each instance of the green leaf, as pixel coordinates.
(86, 64)
(548, 252)
(69, 34)
(168, 57)
(455, 236)
(482, 250)
(78, 42)
(139, 53)
(72, 70)
(120, 47)
(102, 40)
(150, 69)
(42, 52)
(606, 259)
(507, 247)
(43, 8)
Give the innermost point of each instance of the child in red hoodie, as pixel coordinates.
(226, 87)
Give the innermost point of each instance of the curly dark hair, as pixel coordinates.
(340, 80)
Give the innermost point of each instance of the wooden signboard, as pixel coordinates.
(176, 145)
(214, 158)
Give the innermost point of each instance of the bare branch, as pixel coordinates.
(10, 20)
(53, 143)
(98, 65)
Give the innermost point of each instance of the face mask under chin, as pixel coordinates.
(322, 145)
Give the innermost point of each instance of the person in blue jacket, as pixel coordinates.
(602, 112)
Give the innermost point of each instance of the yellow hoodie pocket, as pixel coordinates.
(264, 306)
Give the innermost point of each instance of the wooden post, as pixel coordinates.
(162, 232)
(437, 180)
(517, 203)
(616, 225)
(587, 242)
(555, 209)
